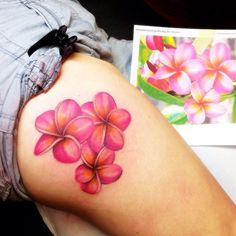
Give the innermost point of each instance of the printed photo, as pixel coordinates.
(189, 74)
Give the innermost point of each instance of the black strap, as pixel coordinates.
(56, 38)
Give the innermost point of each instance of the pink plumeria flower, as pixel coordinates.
(203, 104)
(110, 122)
(63, 130)
(98, 169)
(180, 67)
(220, 69)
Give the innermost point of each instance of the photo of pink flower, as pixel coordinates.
(220, 69)
(180, 66)
(109, 121)
(191, 82)
(97, 169)
(63, 130)
(203, 104)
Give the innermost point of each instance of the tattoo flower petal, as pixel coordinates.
(45, 143)
(92, 187)
(101, 171)
(67, 151)
(110, 122)
(63, 130)
(66, 111)
(103, 104)
(45, 123)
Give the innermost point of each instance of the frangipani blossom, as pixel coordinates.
(63, 130)
(203, 104)
(180, 67)
(98, 168)
(220, 69)
(110, 122)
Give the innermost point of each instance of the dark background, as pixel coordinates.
(117, 17)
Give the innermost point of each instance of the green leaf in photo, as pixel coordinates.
(158, 94)
(144, 54)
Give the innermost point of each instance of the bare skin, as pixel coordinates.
(164, 188)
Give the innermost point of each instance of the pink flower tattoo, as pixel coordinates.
(92, 132)
(98, 168)
(63, 130)
(110, 122)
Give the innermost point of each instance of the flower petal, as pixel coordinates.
(164, 72)
(197, 92)
(88, 155)
(154, 42)
(104, 104)
(207, 81)
(145, 71)
(45, 143)
(80, 128)
(206, 58)
(105, 157)
(167, 58)
(211, 97)
(180, 83)
(198, 117)
(191, 107)
(84, 174)
(219, 53)
(223, 84)
(92, 186)
(96, 140)
(67, 151)
(214, 110)
(109, 173)
(114, 138)
(194, 68)
(184, 52)
(88, 109)
(154, 58)
(45, 123)
(66, 111)
(161, 84)
(229, 68)
(120, 118)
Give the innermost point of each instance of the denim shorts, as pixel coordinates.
(22, 23)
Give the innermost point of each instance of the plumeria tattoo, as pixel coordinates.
(90, 133)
